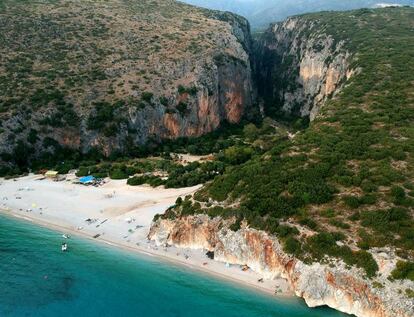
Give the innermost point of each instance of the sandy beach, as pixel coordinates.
(115, 214)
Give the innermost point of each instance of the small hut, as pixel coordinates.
(51, 174)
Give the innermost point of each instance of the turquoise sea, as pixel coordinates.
(37, 279)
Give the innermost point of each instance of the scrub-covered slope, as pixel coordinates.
(341, 191)
(114, 74)
(356, 158)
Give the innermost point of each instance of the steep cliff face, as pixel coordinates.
(333, 284)
(224, 93)
(117, 73)
(300, 67)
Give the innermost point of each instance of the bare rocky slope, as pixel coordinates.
(115, 74)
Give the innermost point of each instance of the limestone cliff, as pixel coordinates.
(333, 284)
(300, 67)
(112, 74)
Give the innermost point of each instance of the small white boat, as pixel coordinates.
(65, 236)
(64, 247)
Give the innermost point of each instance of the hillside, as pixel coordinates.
(356, 159)
(82, 76)
(319, 190)
(340, 192)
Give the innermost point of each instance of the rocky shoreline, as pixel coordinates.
(332, 283)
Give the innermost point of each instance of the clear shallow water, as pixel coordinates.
(37, 279)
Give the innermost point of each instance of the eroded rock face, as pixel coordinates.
(164, 69)
(224, 93)
(340, 287)
(300, 68)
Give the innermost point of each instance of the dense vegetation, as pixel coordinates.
(154, 171)
(160, 164)
(96, 163)
(349, 176)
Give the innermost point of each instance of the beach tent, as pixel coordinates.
(87, 179)
(51, 174)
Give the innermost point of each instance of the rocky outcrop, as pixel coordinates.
(300, 67)
(335, 285)
(223, 94)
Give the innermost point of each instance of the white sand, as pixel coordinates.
(122, 217)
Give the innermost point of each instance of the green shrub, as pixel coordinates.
(136, 181)
(365, 260)
(153, 181)
(182, 108)
(179, 201)
(351, 201)
(403, 270)
(32, 136)
(164, 101)
(368, 186)
(292, 246)
(339, 224)
(369, 199)
(236, 225)
(328, 213)
(236, 155)
(216, 211)
(284, 231)
(397, 192)
(83, 171)
(309, 223)
(250, 131)
(190, 90)
(147, 96)
(118, 174)
(355, 216)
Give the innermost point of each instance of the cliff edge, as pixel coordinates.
(330, 282)
(300, 66)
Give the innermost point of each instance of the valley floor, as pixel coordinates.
(120, 215)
